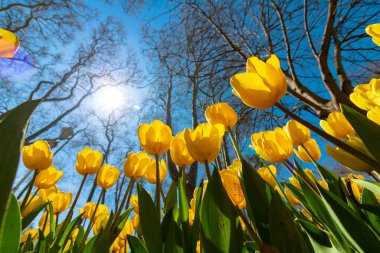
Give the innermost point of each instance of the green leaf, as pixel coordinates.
(11, 227)
(221, 230)
(90, 245)
(369, 204)
(149, 221)
(369, 185)
(64, 235)
(171, 198)
(367, 130)
(12, 130)
(284, 232)
(355, 230)
(184, 214)
(196, 228)
(171, 234)
(136, 245)
(258, 195)
(333, 181)
(32, 215)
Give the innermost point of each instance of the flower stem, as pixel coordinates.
(157, 199)
(254, 235)
(31, 183)
(207, 170)
(128, 190)
(234, 143)
(330, 138)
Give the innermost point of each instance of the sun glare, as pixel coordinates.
(109, 99)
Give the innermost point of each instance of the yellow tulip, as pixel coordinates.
(198, 247)
(231, 183)
(37, 156)
(44, 193)
(297, 133)
(34, 202)
(136, 164)
(44, 223)
(100, 223)
(136, 221)
(348, 160)
(89, 209)
(135, 203)
(273, 146)
(60, 201)
(191, 216)
(155, 137)
(33, 232)
(357, 189)
(310, 174)
(262, 85)
(374, 32)
(178, 151)
(294, 182)
(312, 148)
(337, 125)
(107, 176)
(236, 166)
(203, 143)
(150, 174)
(266, 175)
(115, 246)
(221, 113)
(292, 199)
(365, 96)
(88, 161)
(127, 230)
(9, 43)
(47, 178)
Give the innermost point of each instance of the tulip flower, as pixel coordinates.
(89, 209)
(374, 115)
(263, 85)
(127, 230)
(312, 148)
(136, 164)
(136, 221)
(236, 166)
(37, 156)
(88, 161)
(297, 133)
(357, 189)
(32, 232)
(100, 223)
(150, 174)
(9, 43)
(221, 113)
(44, 223)
(374, 32)
(155, 137)
(266, 174)
(135, 203)
(203, 143)
(292, 199)
(231, 183)
(47, 178)
(273, 146)
(32, 203)
(178, 151)
(60, 201)
(44, 193)
(349, 160)
(107, 176)
(366, 96)
(310, 174)
(337, 125)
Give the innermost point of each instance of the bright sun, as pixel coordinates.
(109, 99)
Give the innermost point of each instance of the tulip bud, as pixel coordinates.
(292, 199)
(155, 137)
(236, 166)
(337, 125)
(178, 151)
(191, 217)
(44, 193)
(135, 203)
(297, 133)
(374, 32)
(37, 156)
(136, 221)
(231, 183)
(357, 189)
(221, 113)
(32, 232)
(47, 178)
(136, 164)
(349, 160)
(312, 148)
(294, 182)
(266, 175)
(60, 201)
(273, 146)
(88, 161)
(150, 174)
(263, 85)
(89, 209)
(203, 143)
(9, 43)
(100, 223)
(107, 176)
(33, 202)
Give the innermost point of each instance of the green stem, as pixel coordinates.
(30, 200)
(207, 170)
(234, 143)
(330, 138)
(128, 190)
(24, 201)
(157, 199)
(183, 170)
(252, 232)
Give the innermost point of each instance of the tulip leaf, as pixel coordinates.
(149, 221)
(371, 208)
(284, 232)
(136, 245)
(64, 235)
(196, 228)
(171, 198)
(333, 181)
(258, 195)
(366, 129)
(90, 245)
(171, 234)
(11, 227)
(184, 212)
(370, 185)
(32, 215)
(12, 129)
(221, 230)
(350, 223)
